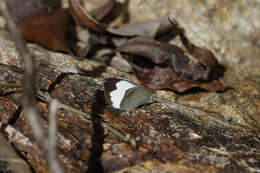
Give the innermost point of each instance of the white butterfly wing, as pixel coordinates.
(119, 93)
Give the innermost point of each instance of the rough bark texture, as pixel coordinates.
(204, 132)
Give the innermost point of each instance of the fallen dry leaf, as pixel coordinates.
(82, 17)
(48, 30)
(90, 20)
(171, 65)
(165, 78)
(204, 56)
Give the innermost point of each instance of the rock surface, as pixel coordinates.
(195, 131)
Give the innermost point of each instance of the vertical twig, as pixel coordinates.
(29, 100)
(52, 131)
(52, 140)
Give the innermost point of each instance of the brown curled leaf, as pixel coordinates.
(48, 30)
(83, 18)
(165, 78)
(150, 28)
(204, 56)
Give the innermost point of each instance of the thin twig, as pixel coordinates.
(52, 132)
(28, 99)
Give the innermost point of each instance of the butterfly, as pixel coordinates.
(125, 95)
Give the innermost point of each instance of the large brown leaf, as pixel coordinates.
(165, 78)
(82, 17)
(48, 30)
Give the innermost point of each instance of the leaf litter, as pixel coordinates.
(139, 42)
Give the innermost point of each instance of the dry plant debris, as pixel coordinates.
(142, 40)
